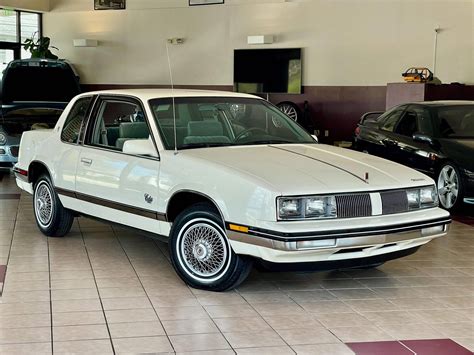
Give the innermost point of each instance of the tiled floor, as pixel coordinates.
(104, 290)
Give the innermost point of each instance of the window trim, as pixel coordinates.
(89, 126)
(88, 112)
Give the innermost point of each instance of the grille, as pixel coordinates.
(394, 201)
(357, 205)
(14, 151)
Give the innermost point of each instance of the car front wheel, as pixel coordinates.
(51, 217)
(449, 187)
(201, 253)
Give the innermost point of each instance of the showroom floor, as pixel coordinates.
(104, 290)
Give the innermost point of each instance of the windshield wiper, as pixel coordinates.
(203, 145)
(268, 141)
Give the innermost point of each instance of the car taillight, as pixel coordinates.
(357, 130)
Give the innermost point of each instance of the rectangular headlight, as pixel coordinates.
(307, 207)
(424, 197)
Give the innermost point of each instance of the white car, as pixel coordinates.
(226, 179)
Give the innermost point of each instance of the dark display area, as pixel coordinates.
(260, 71)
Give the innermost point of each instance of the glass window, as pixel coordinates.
(30, 23)
(407, 125)
(214, 121)
(425, 125)
(390, 120)
(73, 124)
(6, 56)
(118, 122)
(8, 25)
(456, 121)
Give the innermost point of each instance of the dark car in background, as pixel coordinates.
(436, 138)
(34, 94)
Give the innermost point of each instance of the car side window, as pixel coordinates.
(73, 123)
(425, 125)
(408, 124)
(118, 122)
(389, 122)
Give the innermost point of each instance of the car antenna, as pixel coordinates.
(172, 98)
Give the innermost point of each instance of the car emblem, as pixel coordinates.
(148, 198)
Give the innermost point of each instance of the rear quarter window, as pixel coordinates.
(72, 125)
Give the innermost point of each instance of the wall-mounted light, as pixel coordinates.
(260, 39)
(82, 42)
(175, 40)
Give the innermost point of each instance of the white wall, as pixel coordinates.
(346, 42)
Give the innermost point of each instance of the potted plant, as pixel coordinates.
(40, 47)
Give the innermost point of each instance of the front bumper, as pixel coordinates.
(336, 245)
(469, 189)
(8, 156)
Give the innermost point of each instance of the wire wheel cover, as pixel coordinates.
(204, 250)
(290, 111)
(43, 204)
(448, 186)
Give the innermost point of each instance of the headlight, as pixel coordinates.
(424, 197)
(3, 139)
(290, 208)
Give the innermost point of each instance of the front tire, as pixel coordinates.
(450, 188)
(51, 217)
(201, 253)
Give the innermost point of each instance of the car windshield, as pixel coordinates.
(213, 121)
(456, 121)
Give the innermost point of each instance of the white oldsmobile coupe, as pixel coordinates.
(226, 179)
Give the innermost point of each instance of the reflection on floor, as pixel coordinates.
(105, 290)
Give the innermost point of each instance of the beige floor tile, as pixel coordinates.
(266, 297)
(290, 322)
(311, 296)
(455, 330)
(122, 292)
(83, 347)
(411, 331)
(269, 309)
(177, 313)
(25, 335)
(323, 349)
(231, 311)
(220, 299)
(71, 275)
(468, 343)
(197, 342)
(243, 324)
(304, 336)
(391, 317)
(72, 284)
(250, 340)
(131, 315)
(79, 294)
(24, 308)
(270, 350)
(413, 304)
(324, 307)
(174, 301)
(193, 326)
(354, 294)
(78, 318)
(80, 332)
(86, 305)
(141, 345)
(442, 316)
(25, 296)
(331, 320)
(374, 305)
(27, 348)
(118, 282)
(136, 329)
(360, 334)
(25, 320)
(126, 303)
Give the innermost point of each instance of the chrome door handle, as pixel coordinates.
(86, 161)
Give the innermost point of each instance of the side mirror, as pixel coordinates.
(140, 147)
(423, 138)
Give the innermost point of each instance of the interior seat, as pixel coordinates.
(205, 132)
(131, 130)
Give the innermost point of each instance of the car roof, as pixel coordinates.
(443, 103)
(148, 94)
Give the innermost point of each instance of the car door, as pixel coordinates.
(408, 151)
(385, 142)
(111, 184)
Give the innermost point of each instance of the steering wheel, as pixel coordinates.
(247, 131)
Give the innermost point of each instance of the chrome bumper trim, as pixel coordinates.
(340, 243)
(469, 200)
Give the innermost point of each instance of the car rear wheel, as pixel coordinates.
(51, 217)
(201, 253)
(449, 187)
(291, 110)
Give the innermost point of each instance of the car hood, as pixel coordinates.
(297, 169)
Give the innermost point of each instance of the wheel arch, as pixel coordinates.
(183, 199)
(35, 169)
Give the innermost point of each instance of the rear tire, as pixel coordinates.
(51, 217)
(201, 253)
